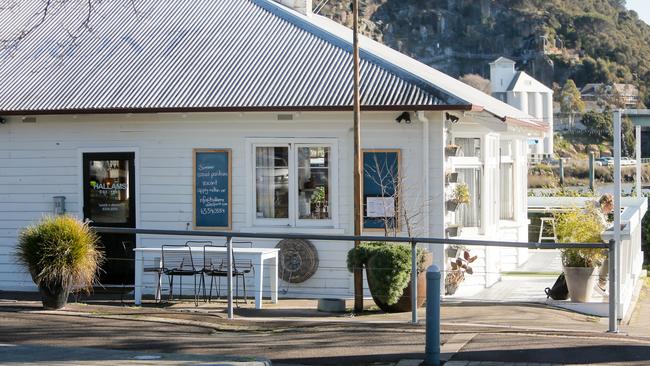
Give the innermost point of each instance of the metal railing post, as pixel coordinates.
(613, 304)
(414, 282)
(230, 256)
(432, 347)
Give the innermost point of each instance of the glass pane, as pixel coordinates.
(470, 147)
(272, 182)
(108, 188)
(313, 183)
(507, 195)
(469, 214)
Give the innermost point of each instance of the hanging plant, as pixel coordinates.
(456, 274)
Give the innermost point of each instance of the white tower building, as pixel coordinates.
(524, 92)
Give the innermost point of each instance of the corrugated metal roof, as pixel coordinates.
(211, 55)
(194, 54)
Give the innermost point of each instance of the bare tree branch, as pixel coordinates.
(13, 41)
(44, 11)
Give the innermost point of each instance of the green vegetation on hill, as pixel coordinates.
(589, 41)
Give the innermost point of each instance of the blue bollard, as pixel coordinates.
(432, 348)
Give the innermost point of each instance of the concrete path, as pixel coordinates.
(293, 333)
(75, 356)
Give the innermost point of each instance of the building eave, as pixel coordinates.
(369, 108)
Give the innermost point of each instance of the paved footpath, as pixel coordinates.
(294, 334)
(75, 356)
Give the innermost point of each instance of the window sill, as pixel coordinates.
(509, 224)
(293, 230)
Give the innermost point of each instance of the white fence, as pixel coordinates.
(630, 257)
(630, 252)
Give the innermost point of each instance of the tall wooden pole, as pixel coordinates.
(358, 273)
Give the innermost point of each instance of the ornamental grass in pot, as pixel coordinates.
(580, 226)
(62, 255)
(388, 270)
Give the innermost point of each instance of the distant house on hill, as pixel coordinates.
(524, 92)
(623, 95)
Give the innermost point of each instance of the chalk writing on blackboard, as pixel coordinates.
(212, 183)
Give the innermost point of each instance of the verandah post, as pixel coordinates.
(230, 264)
(414, 282)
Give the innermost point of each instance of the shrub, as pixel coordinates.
(62, 251)
(542, 181)
(389, 269)
(580, 226)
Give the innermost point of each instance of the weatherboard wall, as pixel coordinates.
(43, 159)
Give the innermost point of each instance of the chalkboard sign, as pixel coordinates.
(212, 193)
(380, 182)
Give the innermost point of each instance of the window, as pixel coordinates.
(507, 191)
(272, 182)
(381, 183)
(470, 147)
(292, 184)
(506, 181)
(469, 215)
(313, 182)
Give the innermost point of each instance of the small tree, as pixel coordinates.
(599, 124)
(570, 101)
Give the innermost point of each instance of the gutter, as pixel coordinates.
(370, 108)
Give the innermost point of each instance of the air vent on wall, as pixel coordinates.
(285, 117)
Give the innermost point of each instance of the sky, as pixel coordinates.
(642, 7)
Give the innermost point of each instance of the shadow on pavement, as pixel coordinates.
(601, 354)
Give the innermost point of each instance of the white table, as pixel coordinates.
(257, 255)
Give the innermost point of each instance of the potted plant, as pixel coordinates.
(459, 196)
(451, 177)
(318, 199)
(580, 226)
(61, 254)
(456, 274)
(453, 250)
(388, 270)
(453, 231)
(451, 150)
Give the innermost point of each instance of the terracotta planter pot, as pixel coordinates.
(404, 303)
(581, 281)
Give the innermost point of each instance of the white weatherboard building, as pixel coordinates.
(115, 122)
(527, 94)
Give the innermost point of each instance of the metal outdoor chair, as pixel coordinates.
(216, 265)
(179, 264)
(156, 267)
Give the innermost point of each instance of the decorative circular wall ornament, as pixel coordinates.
(298, 260)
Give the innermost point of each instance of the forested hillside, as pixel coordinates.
(584, 40)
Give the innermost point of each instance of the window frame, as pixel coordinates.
(293, 145)
(473, 162)
(507, 157)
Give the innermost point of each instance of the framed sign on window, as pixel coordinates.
(212, 193)
(381, 176)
